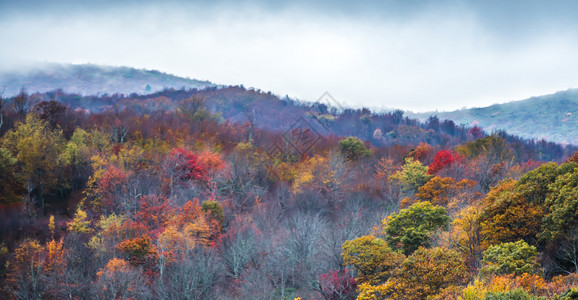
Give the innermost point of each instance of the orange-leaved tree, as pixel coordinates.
(426, 273)
(120, 280)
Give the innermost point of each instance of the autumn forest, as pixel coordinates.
(235, 193)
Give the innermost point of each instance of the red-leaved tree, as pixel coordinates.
(336, 285)
(181, 166)
(443, 159)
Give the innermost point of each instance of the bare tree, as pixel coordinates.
(194, 278)
(172, 167)
(238, 252)
(565, 258)
(248, 177)
(281, 270)
(120, 280)
(251, 121)
(119, 132)
(340, 170)
(119, 129)
(304, 247)
(22, 103)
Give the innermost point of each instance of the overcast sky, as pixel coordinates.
(416, 55)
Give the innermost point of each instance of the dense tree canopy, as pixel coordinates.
(372, 259)
(204, 194)
(412, 227)
(510, 258)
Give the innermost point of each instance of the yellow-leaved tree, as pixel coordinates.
(37, 150)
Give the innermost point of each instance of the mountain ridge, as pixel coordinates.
(557, 112)
(551, 117)
(92, 79)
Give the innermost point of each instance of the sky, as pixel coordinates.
(414, 55)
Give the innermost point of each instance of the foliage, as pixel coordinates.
(119, 280)
(560, 223)
(493, 146)
(372, 292)
(412, 176)
(136, 250)
(182, 167)
(442, 159)
(570, 294)
(510, 258)
(336, 285)
(214, 211)
(427, 272)
(213, 164)
(55, 257)
(195, 110)
(154, 212)
(421, 152)
(445, 191)
(187, 163)
(106, 187)
(466, 235)
(174, 205)
(26, 274)
(353, 148)
(193, 224)
(411, 228)
(111, 231)
(10, 182)
(319, 173)
(506, 216)
(36, 148)
(573, 158)
(385, 168)
(112, 188)
(517, 294)
(371, 258)
(80, 222)
(51, 225)
(50, 111)
(523, 209)
(562, 203)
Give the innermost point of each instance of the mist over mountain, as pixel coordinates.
(551, 117)
(89, 79)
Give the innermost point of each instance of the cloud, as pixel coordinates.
(417, 55)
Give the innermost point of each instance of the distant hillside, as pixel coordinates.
(92, 80)
(261, 115)
(551, 117)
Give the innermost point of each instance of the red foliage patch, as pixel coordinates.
(442, 159)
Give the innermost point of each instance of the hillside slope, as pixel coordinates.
(91, 79)
(551, 117)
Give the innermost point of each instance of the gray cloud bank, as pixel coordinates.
(417, 55)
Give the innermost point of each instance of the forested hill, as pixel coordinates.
(234, 193)
(551, 117)
(254, 109)
(88, 79)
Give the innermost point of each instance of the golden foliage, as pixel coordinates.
(371, 258)
(80, 222)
